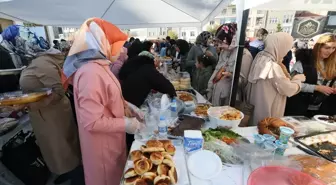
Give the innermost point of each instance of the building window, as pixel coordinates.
(287, 29)
(224, 11)
(192, 34)
(273, 20)
(184, 34)
(233, 10)
(212, 22)
(259, 21)
(163, 33)
(259, 12)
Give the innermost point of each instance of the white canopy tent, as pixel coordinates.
(123, 13)
(243, 7)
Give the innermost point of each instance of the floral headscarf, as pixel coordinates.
(226, 32)
(96, 39)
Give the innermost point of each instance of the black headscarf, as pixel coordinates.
(134, 49)
(226, 32)
(133, 64)
(183, 46)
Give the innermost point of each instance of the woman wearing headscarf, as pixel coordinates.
(269, 81)
(52, 118)
(182, 49)
(258, 44)
(99, 103)
(318, 93)
(135, 49)
(202, 47)
(219, 85)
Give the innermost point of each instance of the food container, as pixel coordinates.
(285, 134)
(193, 140)
(259, 140)
(269, 137)
(216, 112)
(280, 147)
(270, 147)
(19, 97)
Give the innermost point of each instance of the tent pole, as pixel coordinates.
(239, 58)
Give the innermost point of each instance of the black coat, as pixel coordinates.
(139, 76)
(298, 104)
(9, 82)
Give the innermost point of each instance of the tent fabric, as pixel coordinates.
(291, 4)
(123, 13)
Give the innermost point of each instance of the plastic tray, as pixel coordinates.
(298, 139)
(19, 97)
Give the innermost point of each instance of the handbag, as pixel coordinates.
(317, 98)
(23, 158)
(245, 107)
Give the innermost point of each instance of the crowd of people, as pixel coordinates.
(84, 136)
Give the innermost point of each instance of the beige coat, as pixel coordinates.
(52, 118)
(268, 85)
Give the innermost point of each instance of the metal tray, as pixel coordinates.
(16, 71)
(19, 97)
(298, 139)
(178, 143)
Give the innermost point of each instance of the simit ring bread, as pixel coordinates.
(156, 158)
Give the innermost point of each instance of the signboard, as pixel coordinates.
(330, 25)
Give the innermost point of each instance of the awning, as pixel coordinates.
(123, 13)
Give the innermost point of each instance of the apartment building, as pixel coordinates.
(257, 19)
(283, 18)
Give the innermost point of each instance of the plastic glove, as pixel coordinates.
(134, 111)
(132, 125)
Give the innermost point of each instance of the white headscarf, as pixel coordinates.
(267, 64)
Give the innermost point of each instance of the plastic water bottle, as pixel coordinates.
(173, 109)
(162, 127)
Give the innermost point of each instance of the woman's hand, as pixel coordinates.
(300, 77)
(132, 125)
(324, 89)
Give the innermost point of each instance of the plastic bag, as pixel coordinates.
(223, 150)
(257, 157)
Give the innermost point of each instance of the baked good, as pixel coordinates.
(142, 182)
(167, 156)
(154, 143)
(163, 169)
(272, 126)
(149, 176)
(165, 142)
(136, 155)
(156, 158)
(154, 169)
(130, 173)
(142, 166)
(170, 149)
(317, 167)
(132, 180)
(146, 149)
(162, 180)
(173, 175)
(168, 162)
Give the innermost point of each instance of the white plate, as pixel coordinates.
(316, 117)
(204, 164)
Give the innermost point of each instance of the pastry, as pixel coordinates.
(142, 182)
(132, 180)
(130, 173)
(154, 169)
(165, 142)
(156, 158)
(168, 162)
(167, 156)
(272, 126)
(145, 149)
(162, 180)
(154, 143)
(149, 176)
(142, 166)
(136, 155)
(170, 149)
(173, 175)
(163, 169)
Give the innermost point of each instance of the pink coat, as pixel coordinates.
(101, 126)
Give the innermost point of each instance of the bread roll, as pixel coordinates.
(162, 180)
(170, 149)
(142, 182)
(145, 149)
(130, 173)
(156, 158)
(272, 126)
(154, 143)
(136, 155)
(167, 156)
(132, 180)
(163, 169)
(154, 169)
(173, 175)
(142, 166)
(168, 162)
(149, 176)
